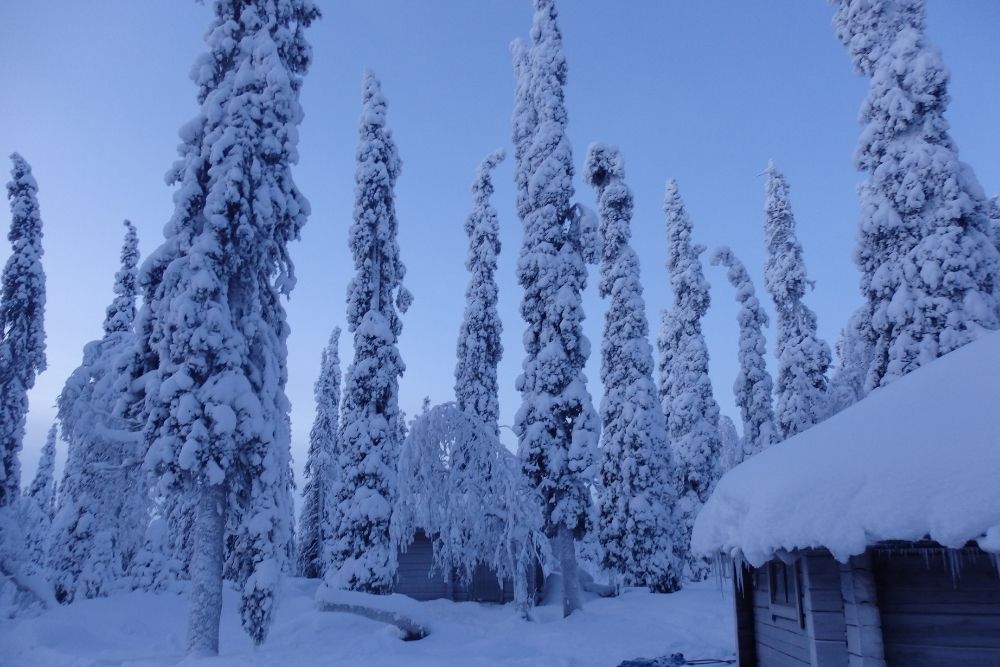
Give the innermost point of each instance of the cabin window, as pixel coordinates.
(783, 583)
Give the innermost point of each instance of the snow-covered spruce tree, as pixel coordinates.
(556, 425)
(43, 487)
(321, 472)
(753, 384)
(635, 497)
(462, 488)
(929, 271)
(212, 338)
(692, 413)
(524, 120)
(855, 353)
(479, 346)
(22, 333)
(361, 551)
(803, 358)
(731, 446)
(103, 498)
(37, 508)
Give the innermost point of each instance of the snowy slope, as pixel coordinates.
(149, 629)
(916, 458)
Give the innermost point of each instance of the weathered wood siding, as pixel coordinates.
(413, 578)
(817, 638)
(823, 609)
(861, 613)
(779, 641)
(413, 571)
(934, 614)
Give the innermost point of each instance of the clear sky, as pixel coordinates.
(706, 92)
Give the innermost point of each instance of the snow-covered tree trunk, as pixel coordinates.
(22, 333)
(803, 357)
(753, 384)
(206, 571)
(361, 554)
(556, 424)
(479, 346)
(321, 472)
(930, 272)
(635, 496)
(690, 407)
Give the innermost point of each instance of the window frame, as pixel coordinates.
(790, 610)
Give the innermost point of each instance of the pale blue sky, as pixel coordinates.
(707, 92)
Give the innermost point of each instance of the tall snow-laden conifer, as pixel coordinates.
(692, 413)
(43, 487)
(479, 346)
(371, 428)
(557, 426)
(212, 335)
(38, 507)
(803, 358)
(103, 498)
(22, 312)
(929, 271)
(753, 384)
(321, 473)
(636, 498)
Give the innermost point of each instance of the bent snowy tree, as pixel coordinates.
(465, 491)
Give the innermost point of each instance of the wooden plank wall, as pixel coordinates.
(779, 642)
(414, 567)
(861, 613)
(933, 614)
(823, 609)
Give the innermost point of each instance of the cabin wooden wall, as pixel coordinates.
(861, 613)
(413, 578)
(818, 637)
(413, 569)
(779, 641)
(935, 614)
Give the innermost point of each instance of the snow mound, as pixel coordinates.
(916, 459)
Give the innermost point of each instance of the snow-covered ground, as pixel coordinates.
(149, 629)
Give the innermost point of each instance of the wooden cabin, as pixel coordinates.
(415, 577)
(872, 539)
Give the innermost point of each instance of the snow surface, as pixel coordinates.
(915, 459)
(150, 629)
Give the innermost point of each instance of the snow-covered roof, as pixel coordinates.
(917, 459)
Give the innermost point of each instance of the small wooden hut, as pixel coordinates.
(872, 538)
(417, 578)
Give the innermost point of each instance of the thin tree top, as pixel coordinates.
(686, 276)
(120, 314)
(867, 27)
(372, 236)
(23, 298)
(481, 225)
(784, 271)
